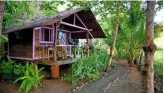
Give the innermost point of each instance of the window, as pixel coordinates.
(46, 35)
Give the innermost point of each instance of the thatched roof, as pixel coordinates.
(86, 15)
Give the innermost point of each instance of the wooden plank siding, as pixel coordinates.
(37, 50)
(21, 44)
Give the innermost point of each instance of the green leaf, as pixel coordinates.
(21, 78)
(4, 38)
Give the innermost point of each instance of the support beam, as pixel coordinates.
(36, 28)
(55, 71)
(62, 30)
(80, 31)
(67, 31)
(84, 25)
(74, 19)
(70, 48)
(68, 24)
(87, 44)
(58, 25)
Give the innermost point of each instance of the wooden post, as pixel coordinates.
(55, 71)
(91, 47)
(42, 52)
(48, 53)
(81, 52)
(55, 43)
(87, 44)
(55, 67)
(75, 51)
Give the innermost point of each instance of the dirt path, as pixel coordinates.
(132, 83)
(99, 85)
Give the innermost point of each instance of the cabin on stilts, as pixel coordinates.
(51, 41)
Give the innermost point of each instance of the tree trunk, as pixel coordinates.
(149, 49)
(114, 41)
(2, 4)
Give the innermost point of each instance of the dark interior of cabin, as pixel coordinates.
(21, 43)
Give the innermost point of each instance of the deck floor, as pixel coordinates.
(61, 62)
(64, 62)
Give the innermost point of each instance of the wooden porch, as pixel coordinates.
(59, 63)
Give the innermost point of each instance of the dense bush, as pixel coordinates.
(10, 70)
(87, 67)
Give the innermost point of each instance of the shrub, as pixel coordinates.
(11, 70)
(30, 79)
(87, 67)
(158, 61)
(158, 71)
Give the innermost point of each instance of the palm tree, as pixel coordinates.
(131, 32)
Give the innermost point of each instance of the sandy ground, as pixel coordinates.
(55, 86)
(50, 85)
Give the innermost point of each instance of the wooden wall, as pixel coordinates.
(20, 43)
(36, 37)
(37, 51)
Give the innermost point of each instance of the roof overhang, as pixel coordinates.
(86, 16)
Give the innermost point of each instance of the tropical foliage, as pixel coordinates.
(11, 70)
(23, 12)
(3, 39)
(30, 79)
(88, 67)
(131, 32)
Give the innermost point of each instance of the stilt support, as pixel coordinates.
(55, 71)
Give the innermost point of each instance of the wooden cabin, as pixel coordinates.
(49, 41)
